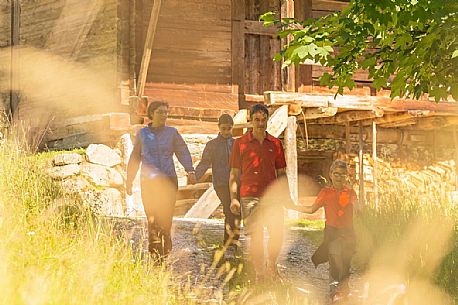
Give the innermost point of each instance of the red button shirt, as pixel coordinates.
(257, 163)
(338, 206)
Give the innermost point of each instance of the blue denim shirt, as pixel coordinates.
(216, 155)
(158, 144)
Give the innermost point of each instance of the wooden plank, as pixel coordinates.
(148, 47)
(205, 206)
(266, 64)
(195, 187)
(241, 117)
(278, 121)
(258, 28)
(238, 49)
(329, 5)
(304, 76)
(185, 126)
(15, 60)
(455, 140)
(318, 112)
(375, 165)
(361, 167)
(289, 77)
(198, 113)
(349, 116)
(291, 162)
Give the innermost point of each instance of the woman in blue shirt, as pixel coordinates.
(154, 147)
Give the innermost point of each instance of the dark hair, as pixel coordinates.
(225, 119)
(259, 108)
(153, 106)
(338, 164)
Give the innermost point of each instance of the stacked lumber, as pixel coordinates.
(436, 178)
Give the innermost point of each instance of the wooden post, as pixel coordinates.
(347, 139)
(238, 50)
(455, 134)
(303, 77)
(374, 157)
(289, 76)
(361, 166)
(148, 47)
(291, 163)
(14, 63)
(133, 46)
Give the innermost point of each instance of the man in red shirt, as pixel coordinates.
(257, 160)
(338, 245)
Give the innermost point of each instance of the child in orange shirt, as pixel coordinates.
(338, 245)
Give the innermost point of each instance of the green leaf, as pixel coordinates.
(455, 54)
(454, 91)
(277, 57)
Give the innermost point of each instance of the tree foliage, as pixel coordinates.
(408, 45)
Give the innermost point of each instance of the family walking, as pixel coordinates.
(242, 171)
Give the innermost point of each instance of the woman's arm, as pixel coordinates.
(132, 167)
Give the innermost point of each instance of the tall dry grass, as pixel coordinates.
(412, 235)
(53, 251)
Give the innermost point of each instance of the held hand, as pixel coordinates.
(235, 206)
(129, 188)
(192, 178)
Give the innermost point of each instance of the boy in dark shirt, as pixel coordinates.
(216, 154)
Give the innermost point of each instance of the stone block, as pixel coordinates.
(62, 172)
(65, 159)
(103, 155)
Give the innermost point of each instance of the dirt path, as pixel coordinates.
(196, 241)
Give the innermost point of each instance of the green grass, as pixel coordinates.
(313, 229)
(415, 232)
(54, 251)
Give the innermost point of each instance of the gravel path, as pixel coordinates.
(195, 242)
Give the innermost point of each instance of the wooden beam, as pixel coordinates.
(12, 109)
(195, 113)
(205, 206)
(375, 165)
(361, 166)
(384, 135)
(304, 73)
(319, 100)
(318, 112)
(389, 118)
(258, 28)
(148, 48)
(278, 121)
(355, 102)
(347, 138)
(455, 140)
(291, 162)
(350, 116)
(238, 50)
(289, 74)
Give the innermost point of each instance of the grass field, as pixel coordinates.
(54, 251)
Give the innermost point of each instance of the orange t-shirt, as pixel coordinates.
(338, 206)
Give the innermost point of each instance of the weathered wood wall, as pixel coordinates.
(5, 41)
(74, 33)
(191, 57)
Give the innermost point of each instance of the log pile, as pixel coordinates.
(435, 179)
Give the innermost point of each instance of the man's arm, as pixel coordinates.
(233, 187)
